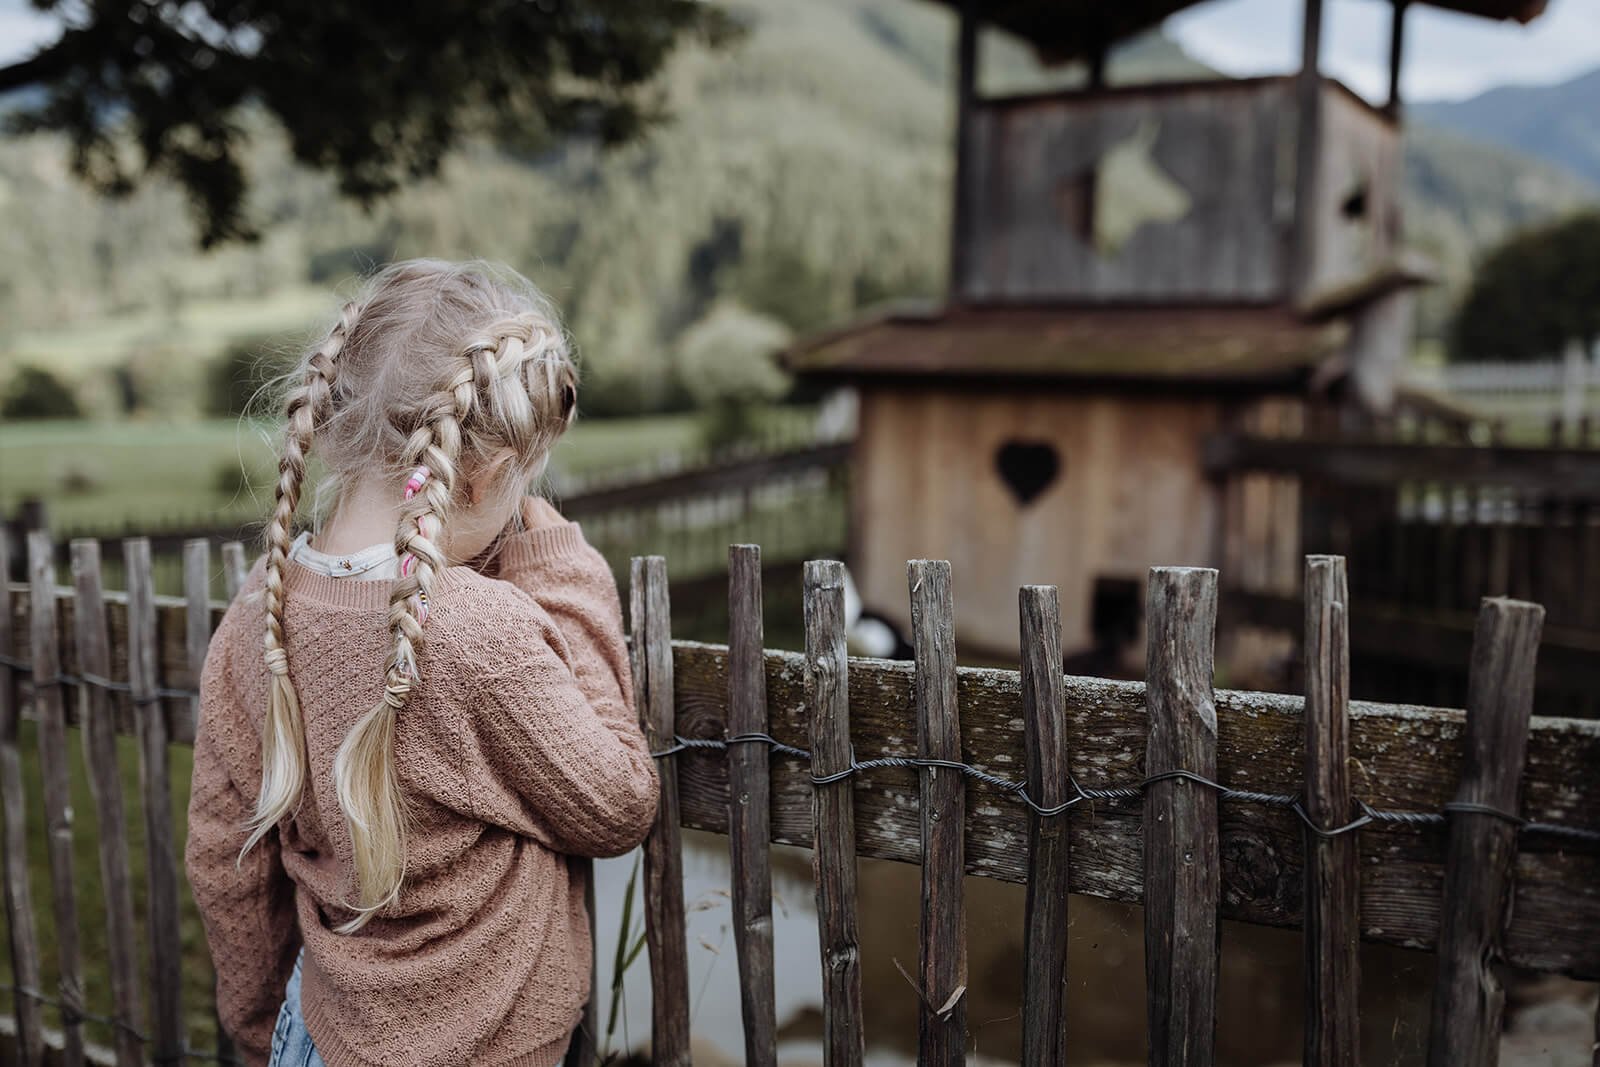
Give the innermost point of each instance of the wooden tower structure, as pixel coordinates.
(1132, 267)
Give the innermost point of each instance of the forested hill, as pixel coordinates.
(1556, 123)
(804, 176)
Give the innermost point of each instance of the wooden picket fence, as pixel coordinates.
(1472, 833)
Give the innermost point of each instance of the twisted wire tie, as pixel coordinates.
(1368, 814)
(71, 1015)
(68, 678)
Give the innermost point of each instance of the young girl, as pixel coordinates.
(410, 720)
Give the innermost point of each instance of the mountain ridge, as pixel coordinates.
(1558, 123)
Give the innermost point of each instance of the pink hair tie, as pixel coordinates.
(414, 483)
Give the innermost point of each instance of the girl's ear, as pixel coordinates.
(485, 478)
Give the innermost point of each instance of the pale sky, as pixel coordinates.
(1448, 56)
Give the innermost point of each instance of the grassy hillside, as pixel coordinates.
(804, 177)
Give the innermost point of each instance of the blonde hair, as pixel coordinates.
(438, 364)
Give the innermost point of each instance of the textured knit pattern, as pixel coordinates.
(519, 748)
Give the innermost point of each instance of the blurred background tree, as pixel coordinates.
(1534, 295)
(35, 393)
(160, 88)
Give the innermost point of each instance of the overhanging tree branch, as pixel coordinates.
(37, 69)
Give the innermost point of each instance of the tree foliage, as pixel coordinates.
(374, 93)
(35, 393)
(1533, 295)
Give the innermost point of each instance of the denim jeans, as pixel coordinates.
(291, 1044)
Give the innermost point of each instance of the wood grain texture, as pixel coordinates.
(171, 652)
(1468, 998)
(749, 813)
(57, 790)
(1182, 859)
(826, 704)
(1308, 151)
(1347, 250)
(961, 202)
(1044, 956)
(234, 568)
(24, 938)
(942, 935)
(665, 933)
(1214, 147)
(1403, 757)
(197, 613)
(99, 733)
(155, 784)
(947, 500)
(1333, 874)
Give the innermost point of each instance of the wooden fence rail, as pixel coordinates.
(1473, 834)
(748, 494)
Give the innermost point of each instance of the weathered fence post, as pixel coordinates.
(665, 932)
(155, 781)
(197, 613)
(49, 707)
(1468, 999)
(942, 937)
(19, 898)
(1182, 870)
(233, 567)
(1044, 953)
(749, 820)
(99, 727)
(833, 856)
(1332, 873)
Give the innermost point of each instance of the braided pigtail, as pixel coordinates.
(283, 755)
(364, 769)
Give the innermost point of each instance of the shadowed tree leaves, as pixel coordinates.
(1533, 295)
(374, 92)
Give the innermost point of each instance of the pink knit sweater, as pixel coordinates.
(519, 748)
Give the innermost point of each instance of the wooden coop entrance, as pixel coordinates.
(1475, 834)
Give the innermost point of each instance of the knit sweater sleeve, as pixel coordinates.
(554, 751)
(246, 905)
(572, 582)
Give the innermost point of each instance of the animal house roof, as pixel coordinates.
(1065, 29)
(1251, 348)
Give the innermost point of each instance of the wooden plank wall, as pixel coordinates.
(1212, 150)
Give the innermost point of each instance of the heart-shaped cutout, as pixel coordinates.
(1028, 468)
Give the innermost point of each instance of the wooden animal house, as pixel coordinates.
(1132, 268)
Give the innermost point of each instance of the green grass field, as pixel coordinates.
(107, 475)
(201, 326)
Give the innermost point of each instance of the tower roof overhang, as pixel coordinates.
(1062, 30)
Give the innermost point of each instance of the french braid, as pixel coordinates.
(490, 380)
(283, 755)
